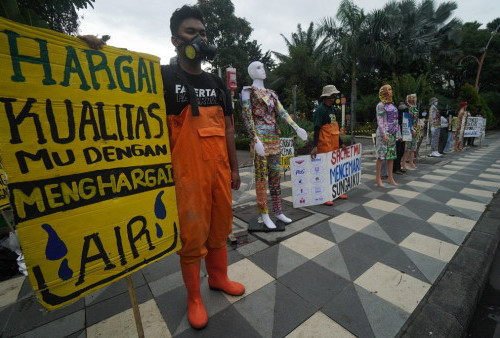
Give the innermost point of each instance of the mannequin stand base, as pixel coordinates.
(255, 226)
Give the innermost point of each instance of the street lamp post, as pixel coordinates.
(483, 56)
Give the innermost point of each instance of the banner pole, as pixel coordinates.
(7, 220)
(135, 307)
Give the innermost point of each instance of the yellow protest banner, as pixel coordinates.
(85, 146)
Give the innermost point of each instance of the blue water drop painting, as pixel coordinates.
(55, 249)
(65, 271)
(159, 231)
(160, 210)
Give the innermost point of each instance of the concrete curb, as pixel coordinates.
(449, 306)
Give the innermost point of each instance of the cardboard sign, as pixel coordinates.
(406, 127)
(326, 177)
(85, 146)
(473, 127)
(287, 151)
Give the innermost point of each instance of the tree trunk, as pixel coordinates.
(354, 98)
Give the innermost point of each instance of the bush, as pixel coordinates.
(242, 143)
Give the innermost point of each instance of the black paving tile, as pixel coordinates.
(228, 323)
(398, 227)
(114, 289)
(314, 283)
(161, 268)
(324, 231)
(97, 312)
(290, 311)
(397, 259)
(347, 310)
(29, 314)
(365, 246)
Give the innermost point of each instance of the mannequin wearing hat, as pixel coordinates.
(435, 123)
(326, 129)
(459, 130)
(260, 109)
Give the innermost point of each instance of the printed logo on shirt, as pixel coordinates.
(206, 97)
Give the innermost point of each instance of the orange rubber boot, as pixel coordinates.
(216, 263)
(197, 315)
(343, 197)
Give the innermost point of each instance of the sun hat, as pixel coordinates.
(329, 90)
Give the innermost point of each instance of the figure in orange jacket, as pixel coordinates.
(326, 129)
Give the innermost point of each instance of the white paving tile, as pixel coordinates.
(445, 172)
(9, 290)
(476, 192)
(404, 193)
(123, 324)
(490, 176)
(429, 246)
(250, 275)
(319, 325)
(400, 289)
(434, 177)
(452, 166)
(416, 184)
(493, 170)
(496, 165)
(308, 244)
(455, 202)
(351, 221)
(287, 184)
(489, 184)
(382, 205)
(367, 177)
(454, 222)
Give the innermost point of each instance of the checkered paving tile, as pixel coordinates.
(358, 268)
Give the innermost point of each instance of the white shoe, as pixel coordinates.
(437, 154)
(283, 218)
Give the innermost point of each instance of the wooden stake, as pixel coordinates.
(7, 220)
(135, 307)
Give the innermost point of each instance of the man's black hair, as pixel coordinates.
(183, 13)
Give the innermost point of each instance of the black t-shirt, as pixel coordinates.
(210, 91)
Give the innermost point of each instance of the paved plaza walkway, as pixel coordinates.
(396, 261)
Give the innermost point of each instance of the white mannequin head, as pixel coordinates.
(256, 71)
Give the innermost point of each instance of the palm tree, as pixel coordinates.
(304, 65)
(356, 41)
(418, 31)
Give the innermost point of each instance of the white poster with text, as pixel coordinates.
(326, 177)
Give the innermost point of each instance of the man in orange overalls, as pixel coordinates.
(199, 117)
(326, 129)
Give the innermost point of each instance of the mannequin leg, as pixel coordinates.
(403, 158)
(390, 165)
(273, 169)
(260, 183)
(412, 157)
(378, 179)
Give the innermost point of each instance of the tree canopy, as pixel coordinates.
(59, 15)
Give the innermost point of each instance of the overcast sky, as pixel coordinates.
(144, 25)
